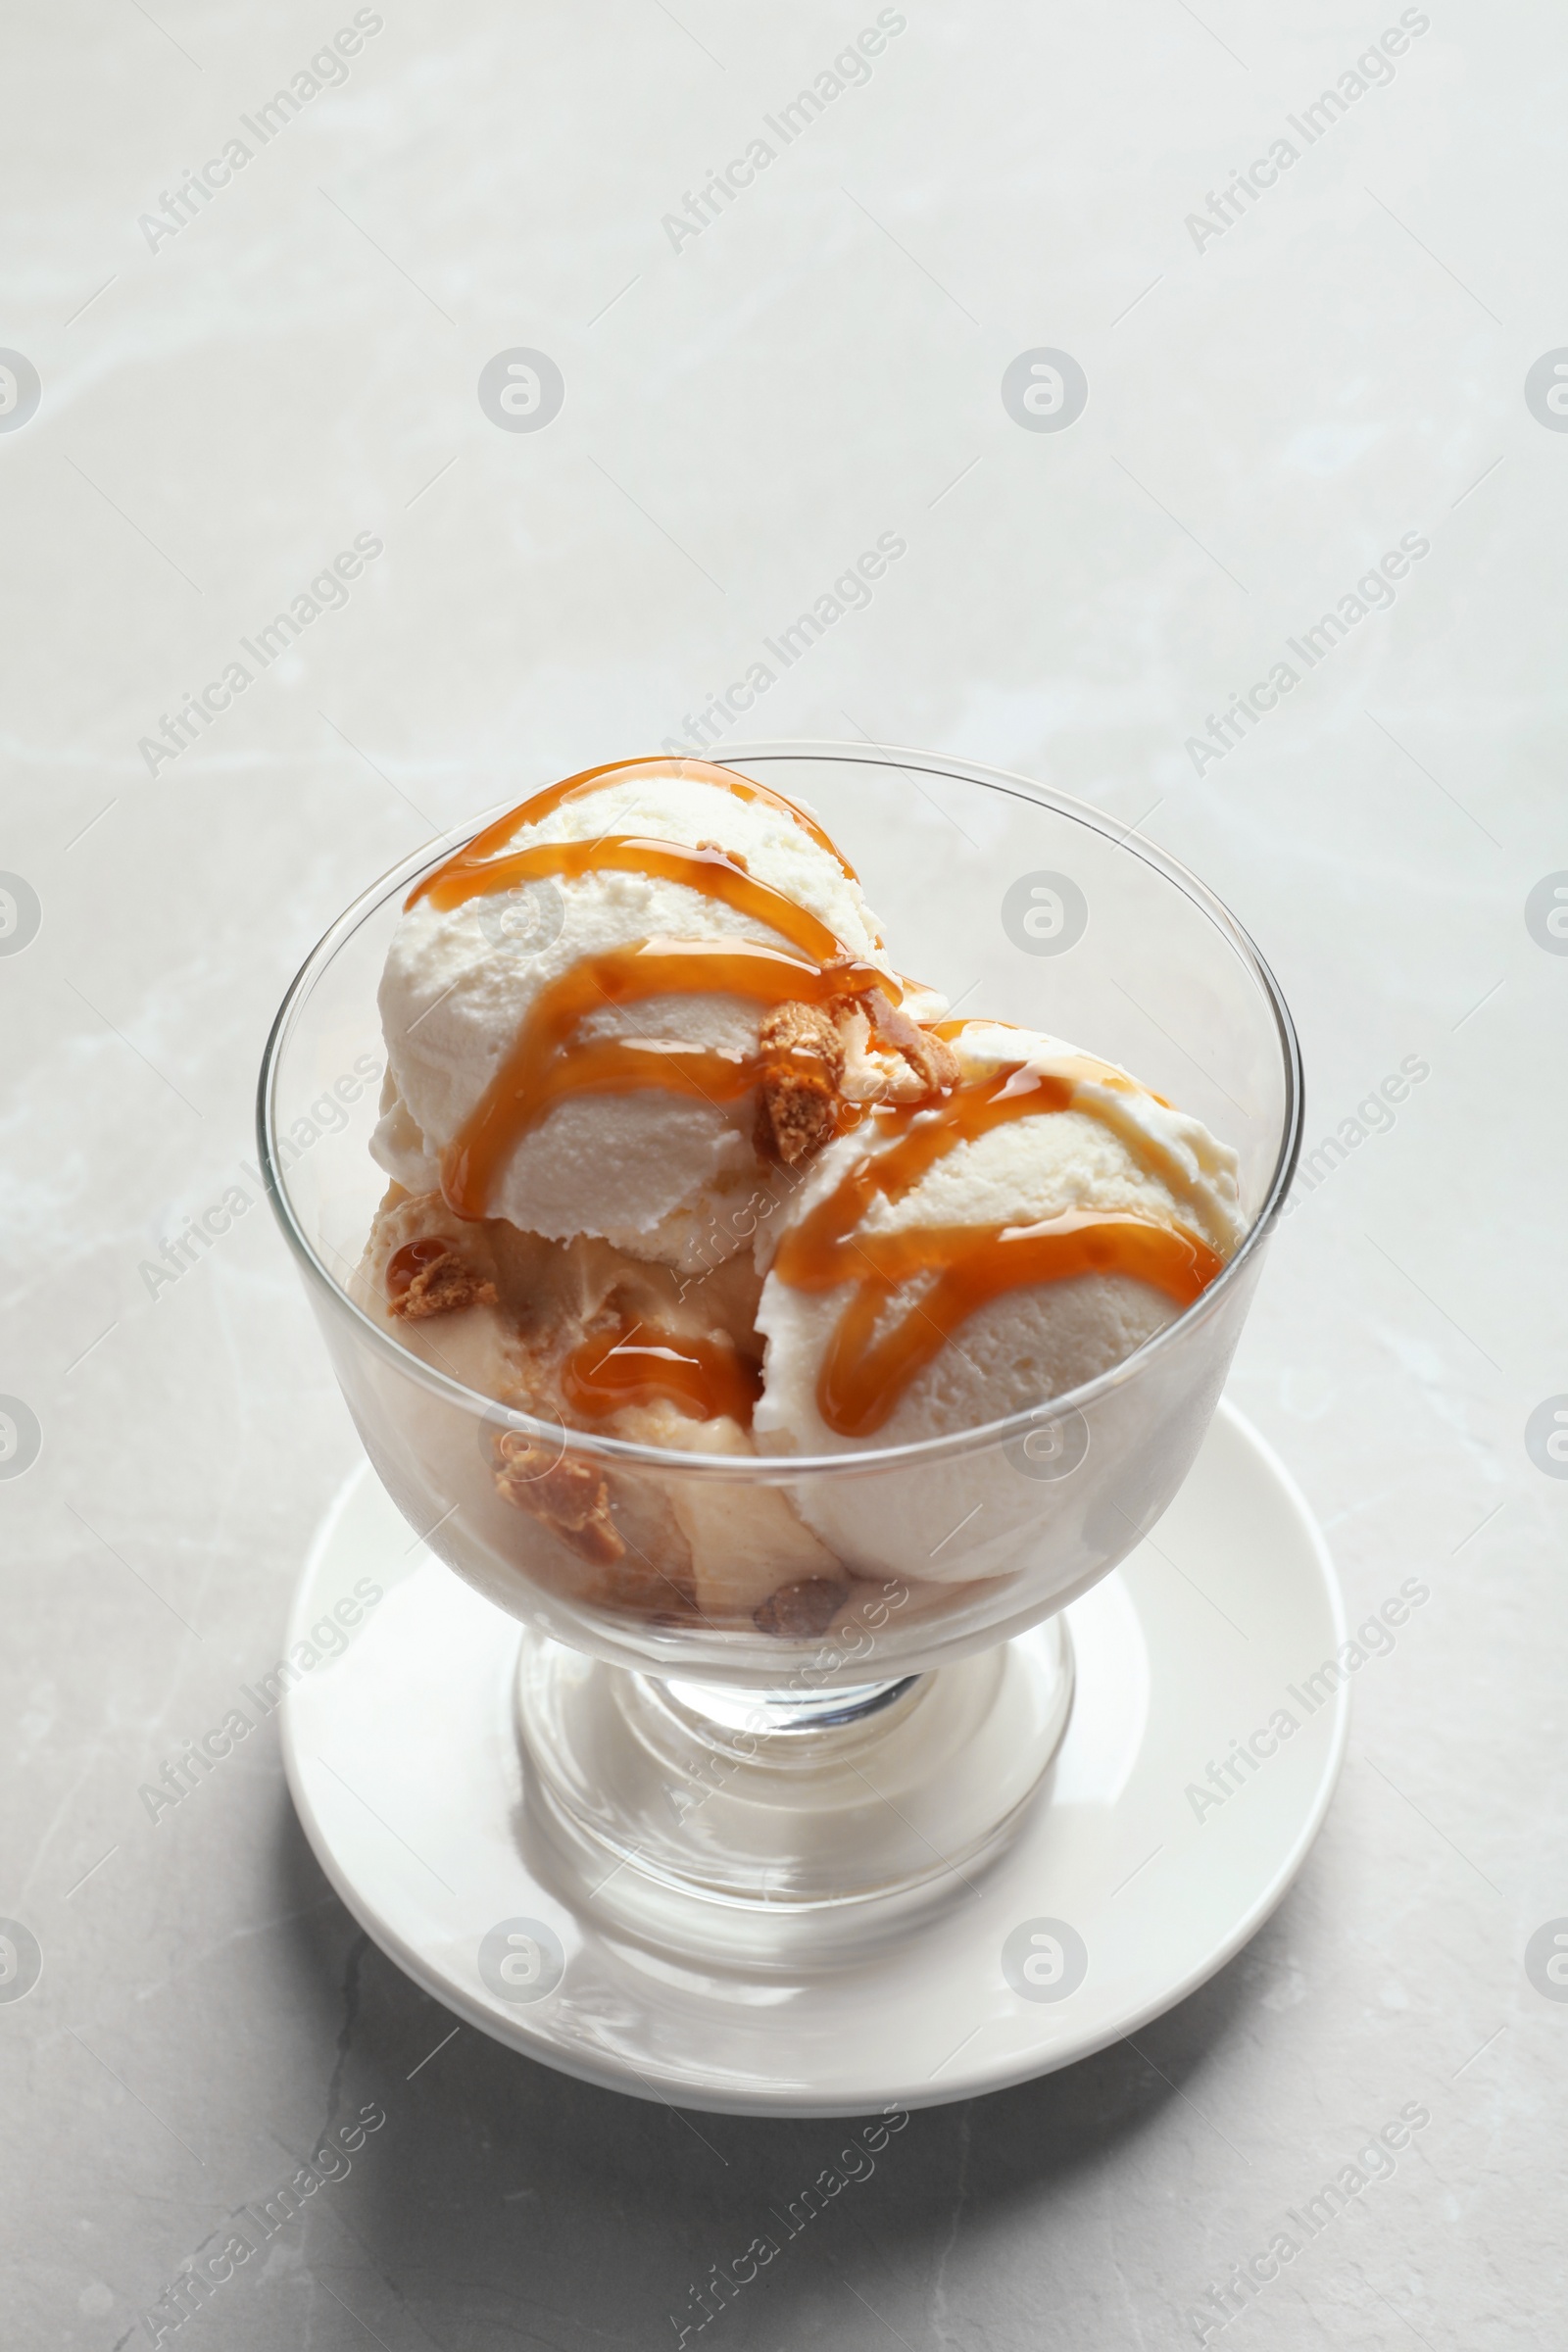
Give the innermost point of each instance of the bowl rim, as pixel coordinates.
(787, 1468)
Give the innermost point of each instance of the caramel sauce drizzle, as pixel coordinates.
(544, 1063)
(712, 871)
(871, 1360)
(1083, 1066)
(645, 1365)
(484, 846)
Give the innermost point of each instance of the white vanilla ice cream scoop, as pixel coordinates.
(941, 1267)
(573, 1006)
(647, 1016)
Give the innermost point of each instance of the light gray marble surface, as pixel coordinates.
(1271, 408)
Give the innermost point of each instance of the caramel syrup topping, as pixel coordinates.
(954, 1270)
(495, 838)
(1085, 1066)
(712, 871)
(545, 1063)
(645, 1365)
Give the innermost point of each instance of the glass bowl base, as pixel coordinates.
(411, 1787)
(760, 1816)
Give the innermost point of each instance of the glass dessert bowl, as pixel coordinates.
(787, 1478)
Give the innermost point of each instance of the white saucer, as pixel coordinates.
(403, 1758)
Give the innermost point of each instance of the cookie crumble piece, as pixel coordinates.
(803, 1068)
(571, 1499)
(932, 1059)
(427, 1278)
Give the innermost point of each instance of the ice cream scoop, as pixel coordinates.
(950, 1262)
(647, 1016)
(597, 1010)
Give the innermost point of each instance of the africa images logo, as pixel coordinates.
(1045, 390)
(521, 1960)
(1545, 390)
(1547, 1436)
(21, 1960)
(1045, 913)
(1045, 1960)
(522, 390)
(20, 390)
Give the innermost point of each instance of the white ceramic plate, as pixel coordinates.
(404, 1767)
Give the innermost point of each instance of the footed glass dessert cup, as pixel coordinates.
(855, 1750)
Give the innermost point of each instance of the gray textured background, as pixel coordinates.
(220, 416)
